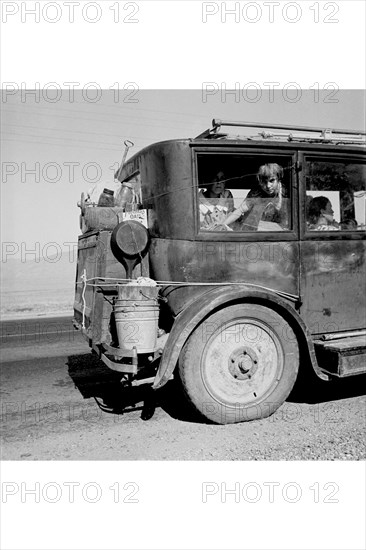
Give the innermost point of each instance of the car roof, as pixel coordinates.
(283, 133)
(269, 136)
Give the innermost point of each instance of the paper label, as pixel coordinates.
(136, 215)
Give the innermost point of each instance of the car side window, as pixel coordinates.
(335, 195)
(244, 193)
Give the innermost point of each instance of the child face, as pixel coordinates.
(270, 185)
(328, 213)
(218, 185)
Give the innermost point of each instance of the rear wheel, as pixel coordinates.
(239, 364)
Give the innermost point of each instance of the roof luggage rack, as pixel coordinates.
(294, 133)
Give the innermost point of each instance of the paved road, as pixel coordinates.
(59, 402)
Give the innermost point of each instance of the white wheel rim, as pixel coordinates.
(242, 362)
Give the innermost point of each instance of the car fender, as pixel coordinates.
(214, 299)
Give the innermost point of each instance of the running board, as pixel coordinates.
(342, 357)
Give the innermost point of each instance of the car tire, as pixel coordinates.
(239, 364)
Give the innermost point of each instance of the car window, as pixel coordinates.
(335, 195)
(244, 193)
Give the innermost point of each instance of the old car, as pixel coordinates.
(233, 291)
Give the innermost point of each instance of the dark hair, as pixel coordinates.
(214, 179)
(316, 205)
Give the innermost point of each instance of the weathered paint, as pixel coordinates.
(96, 258)
(210, 300)
(329, 277)
(333, 279)
(166, 188)
(274, 265)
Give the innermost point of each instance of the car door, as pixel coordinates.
(332, 257)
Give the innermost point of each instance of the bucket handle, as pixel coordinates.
(148, 297)
(134, 305)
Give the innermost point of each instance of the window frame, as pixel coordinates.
(259, 236)
(337, 156)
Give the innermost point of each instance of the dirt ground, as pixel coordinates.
(59, 403)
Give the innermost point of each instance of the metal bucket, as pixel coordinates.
(136, 312)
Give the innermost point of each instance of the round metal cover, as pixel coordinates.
(130, 237)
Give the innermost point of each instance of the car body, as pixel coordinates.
(239, 305)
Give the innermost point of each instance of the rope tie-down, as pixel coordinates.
(88, 282)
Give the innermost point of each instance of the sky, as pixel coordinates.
(56, 144)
